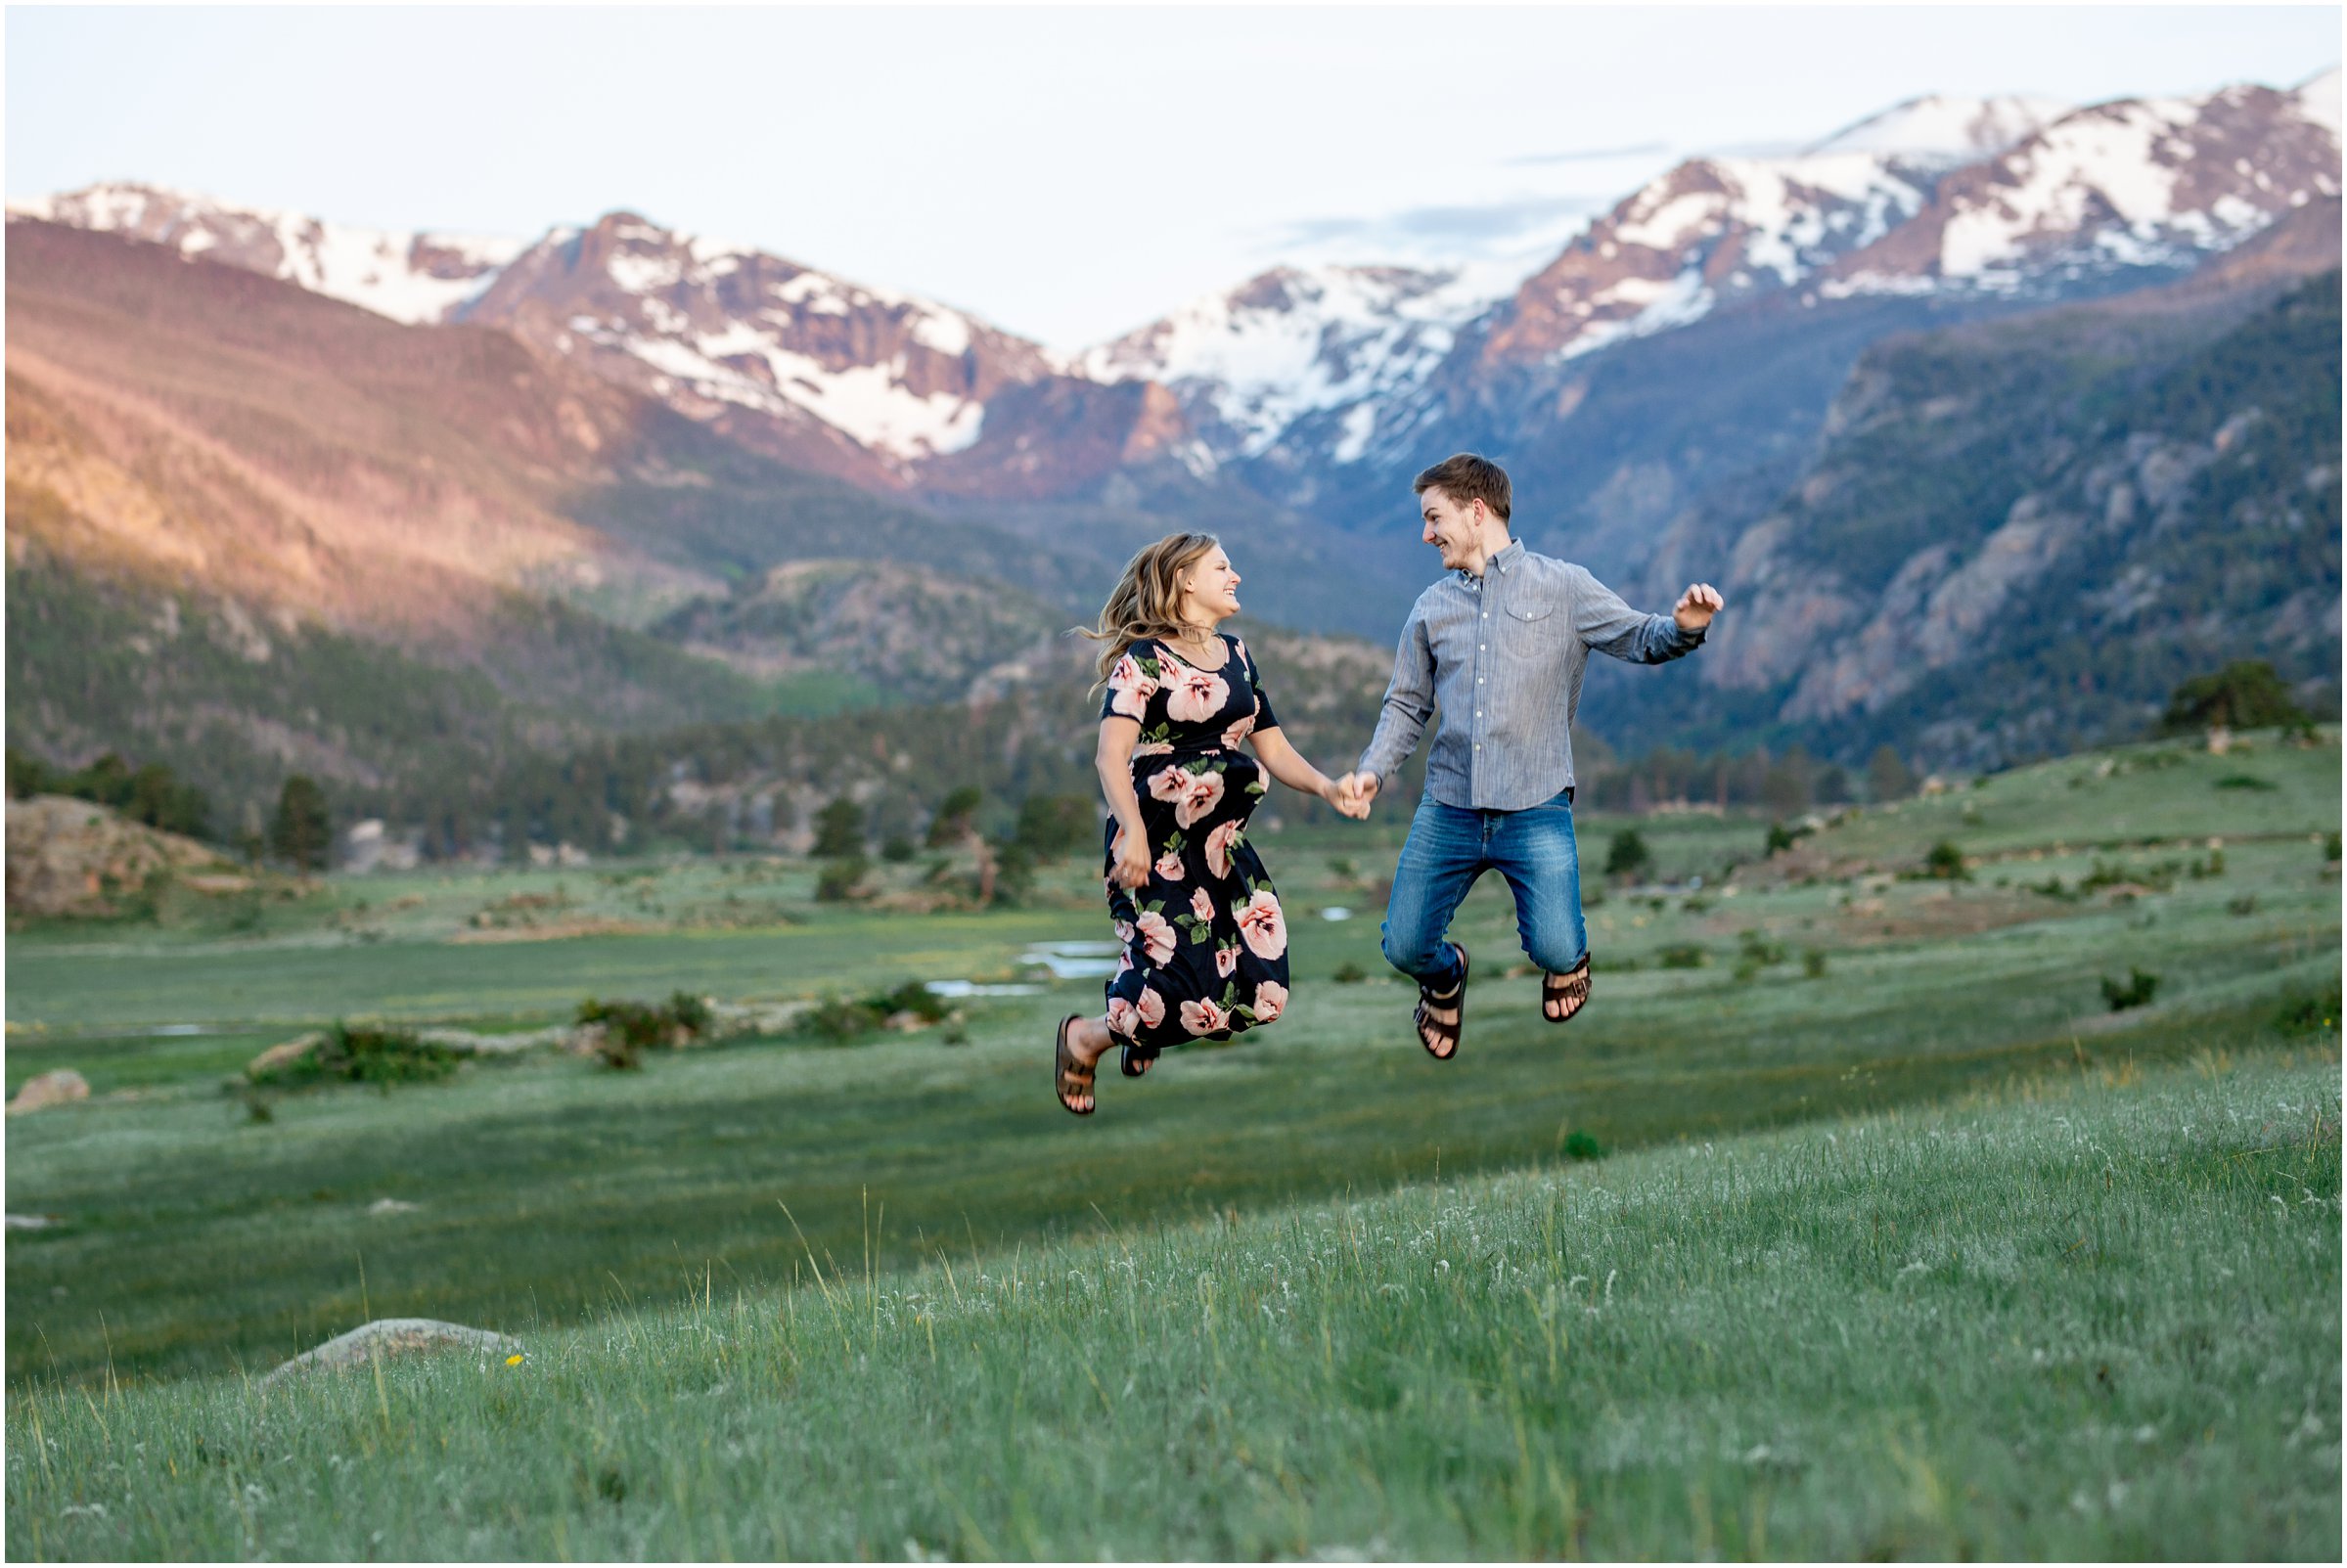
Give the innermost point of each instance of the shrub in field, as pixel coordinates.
(362, 1056)
(2309, 1012)
(1684, 956)
(1627, 855)
(841, 880)
(631, 1028)
(2330, 847)
(1945, 864)
(1756, 953)
(1780, 837)
(1349, 973)
(1582, 1146)
(2246, 781)
(2137, 990)
(839, 1019)
(2246, 904)
(1813, 964)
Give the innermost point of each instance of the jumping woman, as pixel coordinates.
(1204, 944)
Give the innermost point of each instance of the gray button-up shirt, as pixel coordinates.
(1503, 654)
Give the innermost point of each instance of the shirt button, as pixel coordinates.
(1481, 648)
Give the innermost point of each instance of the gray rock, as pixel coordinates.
(394, 1336)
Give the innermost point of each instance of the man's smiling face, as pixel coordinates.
(1451, 529)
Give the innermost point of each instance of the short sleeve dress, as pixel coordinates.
(1205, 946)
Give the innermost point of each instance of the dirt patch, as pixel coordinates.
(558, 930)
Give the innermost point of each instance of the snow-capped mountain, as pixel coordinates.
(415, 278)
(1710, 231)
(1895, 205)
(710, 328)
(2157, 183)
(1248, 364)
(1302, 372)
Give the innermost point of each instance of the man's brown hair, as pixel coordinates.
(1468, 477)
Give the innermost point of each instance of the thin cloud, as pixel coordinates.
(1484, 223)
(1588, 155)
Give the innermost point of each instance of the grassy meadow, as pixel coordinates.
(1210, 1320)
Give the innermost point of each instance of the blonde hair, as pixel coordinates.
(1147, 601)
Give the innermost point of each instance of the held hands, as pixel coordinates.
(1697, 606)
(1352, 794)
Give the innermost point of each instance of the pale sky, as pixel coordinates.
(1066, 174)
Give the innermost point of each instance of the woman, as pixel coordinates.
(1206, 947)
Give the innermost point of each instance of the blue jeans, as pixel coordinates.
(1449, 848)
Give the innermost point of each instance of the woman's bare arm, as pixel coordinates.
(1288, 765)
(1113, 758)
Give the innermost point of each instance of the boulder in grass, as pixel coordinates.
(43, 1090)
(387, 1337)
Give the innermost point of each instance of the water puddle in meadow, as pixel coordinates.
(1072, 960)
(956, 989)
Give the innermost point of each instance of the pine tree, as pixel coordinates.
(303, 828)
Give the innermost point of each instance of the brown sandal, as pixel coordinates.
(1070, 1073)
(1569, 991)
(1444, 1032)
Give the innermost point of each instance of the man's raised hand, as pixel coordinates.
(1697, 606)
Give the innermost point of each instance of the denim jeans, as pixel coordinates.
(1449, 848)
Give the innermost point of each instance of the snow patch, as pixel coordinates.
(1297, 341)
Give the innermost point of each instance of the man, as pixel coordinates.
(1501, 643)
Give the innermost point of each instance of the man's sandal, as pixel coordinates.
(1073, 1077)
(1442, 1032)
(1563, 995)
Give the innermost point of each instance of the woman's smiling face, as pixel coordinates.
(1210, 591)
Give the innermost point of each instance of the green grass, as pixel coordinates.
(192, 1239)
(580, 1208)
(2095, 1317)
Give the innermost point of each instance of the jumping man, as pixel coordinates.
(1501, 643)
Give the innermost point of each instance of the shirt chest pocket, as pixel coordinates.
(1533, 631)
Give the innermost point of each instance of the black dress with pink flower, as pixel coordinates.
(1205, 946)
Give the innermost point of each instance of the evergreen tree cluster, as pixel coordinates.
(152, 794)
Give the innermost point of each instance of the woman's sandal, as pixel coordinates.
(1071, 1074)
(1444, 1031)
(1132, 1063)
(1568, 992)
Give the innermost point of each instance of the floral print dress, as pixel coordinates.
(1205, 946)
